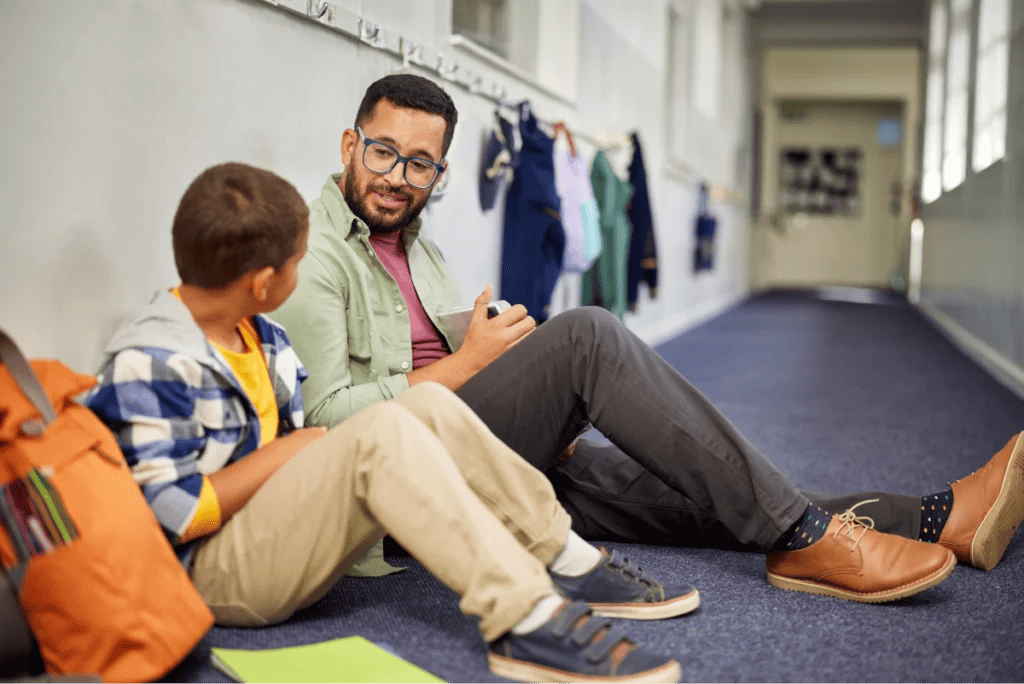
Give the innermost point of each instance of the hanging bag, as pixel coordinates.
(706, 224)
(100, 585)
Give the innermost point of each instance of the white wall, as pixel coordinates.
(973, 270)
(111, 107)
(623, 73)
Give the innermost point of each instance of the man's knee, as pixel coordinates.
(587, 320)
(592, 315)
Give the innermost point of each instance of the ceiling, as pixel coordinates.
(832, 9)
(847, 22)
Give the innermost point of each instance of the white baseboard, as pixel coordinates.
(682, 321)
(998, 366)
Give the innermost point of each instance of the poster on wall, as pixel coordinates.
(823, 181)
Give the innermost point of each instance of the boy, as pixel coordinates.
(204, 396)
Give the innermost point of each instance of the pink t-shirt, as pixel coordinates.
(427, 344)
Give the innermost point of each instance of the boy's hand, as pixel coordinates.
(489, 338)
(238, 481)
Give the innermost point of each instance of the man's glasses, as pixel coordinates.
(381, 158)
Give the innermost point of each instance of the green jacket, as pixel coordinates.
(613, 195)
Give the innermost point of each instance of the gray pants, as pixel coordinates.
(676, 472)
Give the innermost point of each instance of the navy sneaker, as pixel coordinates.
(576, 646)
(617, 588)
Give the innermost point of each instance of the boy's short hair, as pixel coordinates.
(411, 92)
(234, 219)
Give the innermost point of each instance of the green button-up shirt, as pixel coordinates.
(347, 318)
(348, 321)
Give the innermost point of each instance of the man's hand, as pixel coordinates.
(489, 338)
(486, 340)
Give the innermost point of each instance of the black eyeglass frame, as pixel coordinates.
(399, 159)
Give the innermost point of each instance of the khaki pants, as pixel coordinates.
(422, 468)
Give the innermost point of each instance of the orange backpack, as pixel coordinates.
(100, 585)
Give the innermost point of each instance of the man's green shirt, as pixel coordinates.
(347, 318)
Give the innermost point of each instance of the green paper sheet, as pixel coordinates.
(351, 659)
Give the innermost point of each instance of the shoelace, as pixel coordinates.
(622, 565)
(852, 522)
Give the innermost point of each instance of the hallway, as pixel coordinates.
(760, 149)
(841, 396)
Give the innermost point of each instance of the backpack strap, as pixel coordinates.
(22, 373)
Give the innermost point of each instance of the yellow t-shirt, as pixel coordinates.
(251, 370)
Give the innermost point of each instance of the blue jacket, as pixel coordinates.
(643, 253)
(534, 241)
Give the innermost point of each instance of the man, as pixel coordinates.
(364, 320)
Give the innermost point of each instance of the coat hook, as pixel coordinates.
(318, 8)
(446, 67)
(370, 32)
(412, 53)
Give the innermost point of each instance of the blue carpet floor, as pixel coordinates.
(842, 397)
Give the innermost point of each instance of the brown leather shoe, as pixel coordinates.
(855, 562)
(988, 506)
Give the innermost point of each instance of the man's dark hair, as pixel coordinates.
(234, 219)
(411, 92)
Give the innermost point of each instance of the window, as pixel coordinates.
(534, 40)
(707, 40)
(954, 151)
(990, 84)
(706, 82)
(484, 22)
(680, 71)
(506, 28)
(931, 181)
(733, 95)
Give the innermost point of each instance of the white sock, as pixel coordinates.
(542, 611)
(576, 558)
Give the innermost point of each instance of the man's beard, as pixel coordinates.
(357, 203)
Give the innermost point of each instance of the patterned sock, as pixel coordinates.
(935, 509)
(805, 531)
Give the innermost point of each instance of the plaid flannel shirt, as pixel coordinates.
(178, 411)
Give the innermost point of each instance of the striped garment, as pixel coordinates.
(177, 409)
